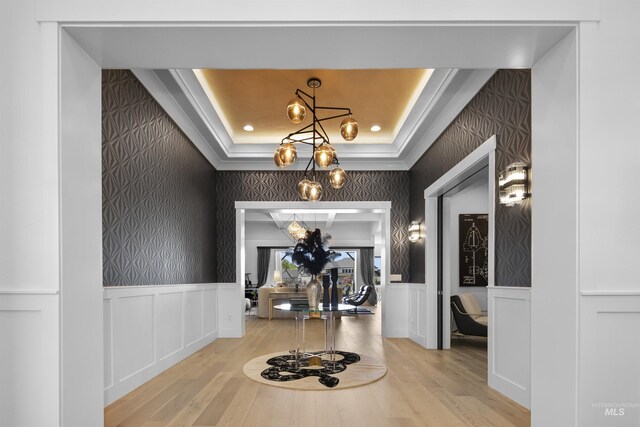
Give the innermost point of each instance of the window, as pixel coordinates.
(289, 272)
(345, 261)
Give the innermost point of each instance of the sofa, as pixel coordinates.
(281, 295)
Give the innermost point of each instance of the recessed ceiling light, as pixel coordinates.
(375, 128)
(248, 128)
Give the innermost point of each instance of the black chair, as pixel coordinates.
(358, 298)
(466, 322)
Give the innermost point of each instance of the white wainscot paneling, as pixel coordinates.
(509, 342)
(133, 333)
(107, 339)
(150, 328)
(169, 324)
(210, 321)
(230, 310)
(29, 363)
(193, 316)
(418, 313)
(609, 364)
(395, 308)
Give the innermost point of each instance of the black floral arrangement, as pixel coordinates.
(312, 253)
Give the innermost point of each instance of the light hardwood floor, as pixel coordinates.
(422, 387)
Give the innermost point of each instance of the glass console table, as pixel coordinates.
(303, 312)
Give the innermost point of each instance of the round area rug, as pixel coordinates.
(351, 370)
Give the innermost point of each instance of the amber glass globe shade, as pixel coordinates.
(323, 156)
(296, 110)
(302, 188)
(277, 160)
(288, 153)
(337, 178)
(314, 191)
(349, 129)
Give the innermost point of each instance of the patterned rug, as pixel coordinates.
(278, 369)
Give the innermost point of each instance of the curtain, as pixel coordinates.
(366, 271)
(264, 258)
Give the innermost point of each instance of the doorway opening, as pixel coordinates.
(464, 187)
(358, 229)
(464, 260)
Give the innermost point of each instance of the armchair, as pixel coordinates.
(359, 298)
(469, 319)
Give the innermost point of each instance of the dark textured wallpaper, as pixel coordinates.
(502, 107)
(158, 193)
(281, 186)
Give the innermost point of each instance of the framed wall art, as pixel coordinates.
(473, 249)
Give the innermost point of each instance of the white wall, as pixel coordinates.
(473, 199)
(147, 329)
(609, 304)
(29, 220)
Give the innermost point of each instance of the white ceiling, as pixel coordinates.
(321, 219)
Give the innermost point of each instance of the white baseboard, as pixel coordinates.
(509, 342)
(148, 329)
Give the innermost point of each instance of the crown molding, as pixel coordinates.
(159, 86)
(446, 93)
(380, 164)
(452, 95)
(423, 106)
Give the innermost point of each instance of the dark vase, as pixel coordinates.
(334, 287)
(325, 290)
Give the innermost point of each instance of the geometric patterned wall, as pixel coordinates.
(502, 107)
(235, 186)
(158, 193)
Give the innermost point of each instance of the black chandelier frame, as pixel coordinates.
(315, 128)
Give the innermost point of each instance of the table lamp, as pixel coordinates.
(277, 278)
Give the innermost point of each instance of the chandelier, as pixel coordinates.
(294, 227)
(296, 230)
(323, 154)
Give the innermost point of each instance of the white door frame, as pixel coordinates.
(484, 155)
(380, 207)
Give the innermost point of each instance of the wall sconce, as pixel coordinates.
(414, 231)
(513, 184)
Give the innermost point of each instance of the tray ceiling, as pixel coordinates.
(411, 105)
(382, 97)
